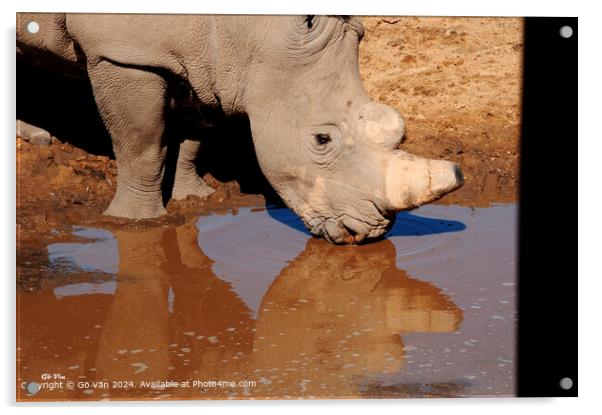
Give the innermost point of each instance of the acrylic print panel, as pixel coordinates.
(220, 207)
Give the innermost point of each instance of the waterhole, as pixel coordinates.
(251, 298)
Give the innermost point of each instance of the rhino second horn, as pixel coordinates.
(381, 125)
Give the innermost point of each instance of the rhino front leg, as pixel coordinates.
(131, 102)
(187, 181)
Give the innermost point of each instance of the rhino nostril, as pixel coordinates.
(459, 175)
(349, 230)
(357, 231)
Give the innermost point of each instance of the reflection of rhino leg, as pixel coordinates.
(182, 248)
(207, 317)
(48, 344)
(134, 339)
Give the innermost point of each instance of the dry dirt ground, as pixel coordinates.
(457, 82)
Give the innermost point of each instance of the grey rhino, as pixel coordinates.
(329, 151)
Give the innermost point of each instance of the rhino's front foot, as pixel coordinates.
(187, 182)
(128, 206)
(138, 194)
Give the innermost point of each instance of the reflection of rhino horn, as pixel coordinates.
(418, 306)
(422, 321)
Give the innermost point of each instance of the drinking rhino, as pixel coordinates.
(329, 151)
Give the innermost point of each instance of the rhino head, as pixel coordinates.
(329, 151)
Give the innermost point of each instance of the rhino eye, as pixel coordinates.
(323, 139)
(310, 21)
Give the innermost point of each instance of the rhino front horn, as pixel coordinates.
(412, 181)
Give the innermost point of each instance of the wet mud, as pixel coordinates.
(251, 300)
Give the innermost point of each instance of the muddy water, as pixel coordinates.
(249, 305)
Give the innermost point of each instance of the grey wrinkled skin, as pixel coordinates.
(326, 148)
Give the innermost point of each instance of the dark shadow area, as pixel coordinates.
(406, 224)
(64, 105)
(409, 224)
(228, 154)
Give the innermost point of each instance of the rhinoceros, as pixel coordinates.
(329, 151)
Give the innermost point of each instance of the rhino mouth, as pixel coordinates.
(351, 229)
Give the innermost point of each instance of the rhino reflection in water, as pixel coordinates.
(330, 321)
(334, 315)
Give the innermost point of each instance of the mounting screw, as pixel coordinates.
(566, 383)
(32, 388)
(33, 27)
(566, 32)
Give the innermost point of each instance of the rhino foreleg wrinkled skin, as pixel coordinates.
(137, 135)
